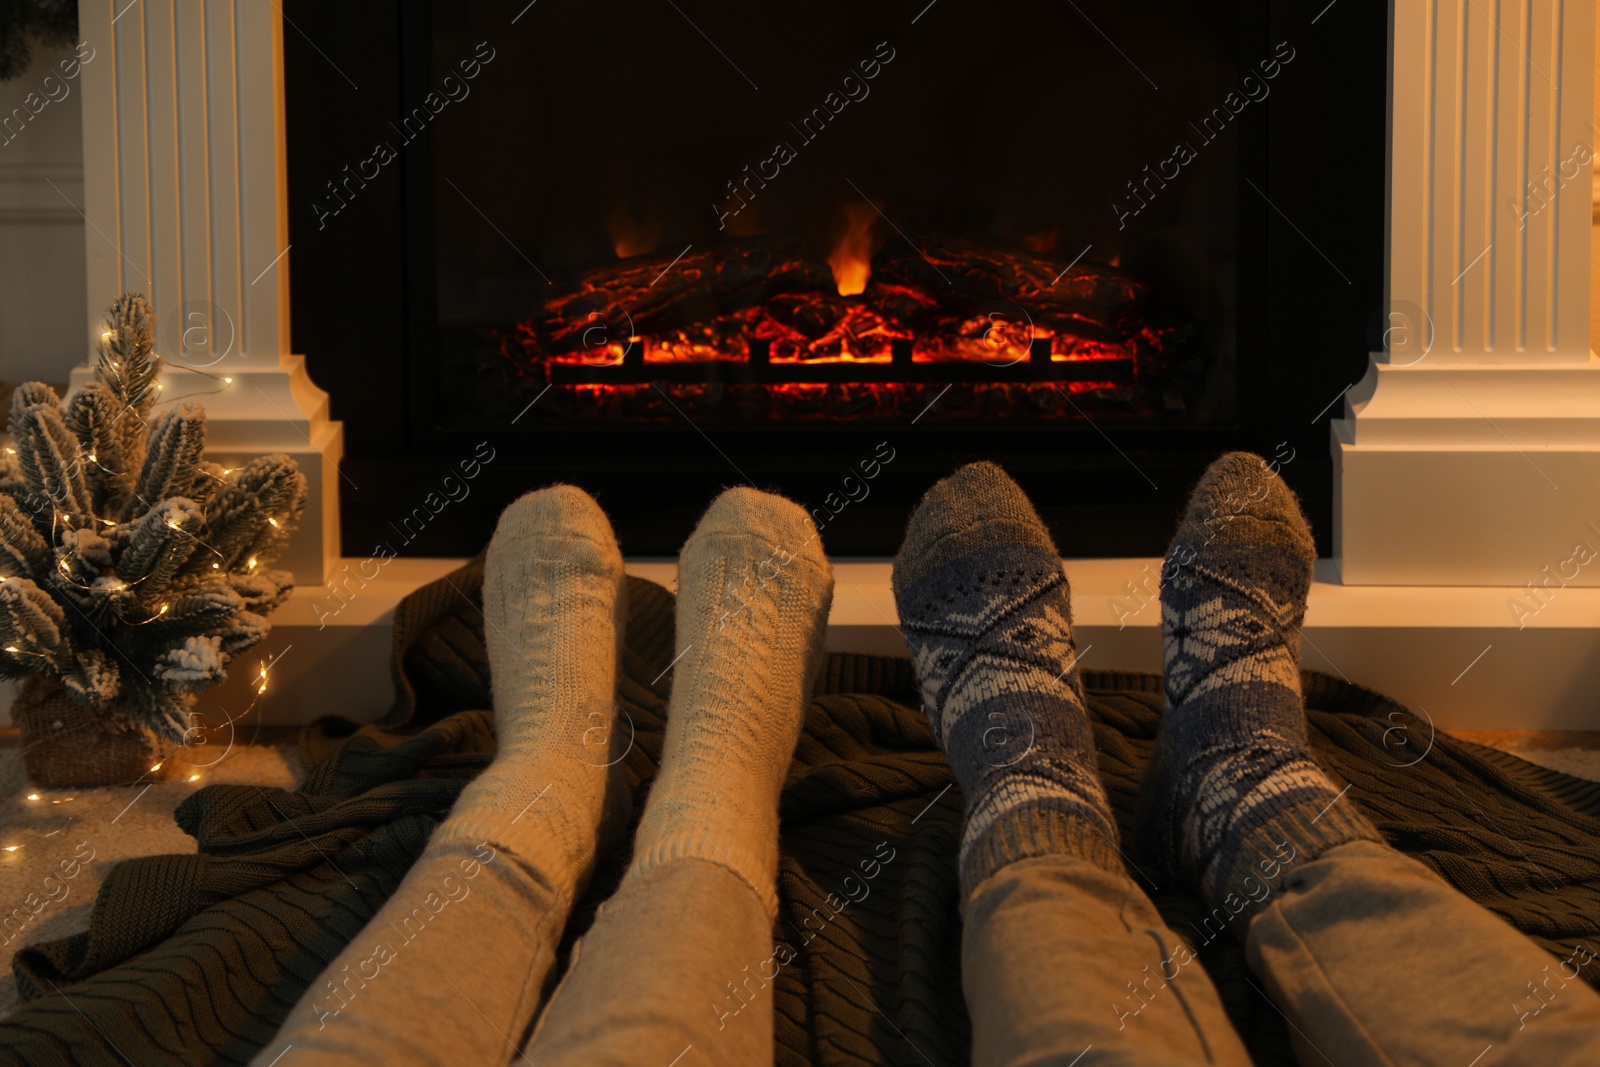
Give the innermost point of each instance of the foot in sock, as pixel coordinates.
(1232, 797)
(553, 607)
(754, 589)
(986, 613)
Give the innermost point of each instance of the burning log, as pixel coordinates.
(757, 372)
(950, 283)
(660, 296)
(943, 312)
(823, 325)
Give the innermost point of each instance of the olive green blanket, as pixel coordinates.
(197, 958)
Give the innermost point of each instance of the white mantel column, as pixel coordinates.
(184, 197)
(1470, 452)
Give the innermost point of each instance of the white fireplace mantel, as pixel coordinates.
(185, 201)
(1467, 463)
(1470, 453)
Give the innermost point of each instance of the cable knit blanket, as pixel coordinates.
(197, 958)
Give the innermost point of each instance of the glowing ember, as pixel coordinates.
(851, 258)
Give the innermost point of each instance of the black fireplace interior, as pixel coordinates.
(658, 249)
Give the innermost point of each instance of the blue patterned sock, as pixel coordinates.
(1233, 800)
(987, 617)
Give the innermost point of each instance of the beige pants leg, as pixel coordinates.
(676, 970)
(1065, 963)
(450, 970)
(1376, 960)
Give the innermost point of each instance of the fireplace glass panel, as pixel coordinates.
(831, 212)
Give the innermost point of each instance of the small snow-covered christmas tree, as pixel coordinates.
(131, 569)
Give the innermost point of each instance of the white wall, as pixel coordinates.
(41, 232)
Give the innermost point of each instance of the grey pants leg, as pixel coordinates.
(1376, 960)
(450, 970)
(677, 969)
(1066, 963)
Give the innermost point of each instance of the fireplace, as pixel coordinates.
(659, 251)
(888, 233)
(224, 157)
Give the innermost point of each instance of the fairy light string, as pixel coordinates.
(258, 687)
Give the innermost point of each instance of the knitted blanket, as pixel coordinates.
(198, 958)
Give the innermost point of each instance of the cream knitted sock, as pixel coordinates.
(753, 593)
(553, 606)
(469, 937)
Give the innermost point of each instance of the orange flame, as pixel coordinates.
(851, 258)
(629, 237)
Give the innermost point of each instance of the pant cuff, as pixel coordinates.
(1250, 871)
(1028, 831)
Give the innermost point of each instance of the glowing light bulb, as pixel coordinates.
(92, 458)
(227, 381)
(33, 796)
(163, 610)
(12, 648)
(252, 564)
(273, 522)
(105, 335)
(155, 768)
(216, 566)
(12, 848)
(194, 778)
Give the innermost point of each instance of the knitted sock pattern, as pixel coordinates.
(986, 613)
(754, 588)
(1233, 800)
(553, 605)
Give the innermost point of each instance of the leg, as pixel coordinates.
(1061, 958)
(1371, 957)
(682, 957)
(453, 967)
(1064, 959)
(1470, 989)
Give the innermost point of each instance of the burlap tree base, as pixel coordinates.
(66, 744)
